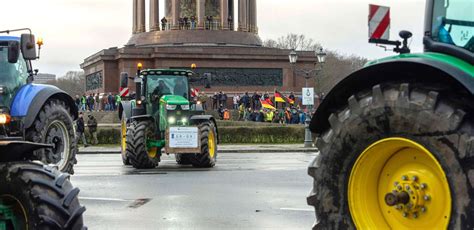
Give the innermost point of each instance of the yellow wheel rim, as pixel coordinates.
(211, 142)
(124, 136)
(382, 177)
(152, 152)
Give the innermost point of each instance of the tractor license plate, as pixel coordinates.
(183, 137)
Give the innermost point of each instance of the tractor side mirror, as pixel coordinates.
(124, 79)
(28, 48)
(13, 51)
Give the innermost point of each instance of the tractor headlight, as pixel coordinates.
(184, 120)
(4, 119)
(171, 120)
(171, 107)
(185, 107)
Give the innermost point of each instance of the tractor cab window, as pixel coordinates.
(160, 85)
(12, 75)
(453, 23)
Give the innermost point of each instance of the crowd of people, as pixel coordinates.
(96, 102)
(256, 107)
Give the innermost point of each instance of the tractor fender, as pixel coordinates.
(31, 97)
(197, 119)
(125, 107)
(410, 70)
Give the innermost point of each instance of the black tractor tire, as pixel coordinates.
(184, 158)
(204, 159)
(123, 151)
(430, 115)
(48, 199)
(136, 145)
(55, 112)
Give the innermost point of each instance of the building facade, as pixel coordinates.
(201, 32)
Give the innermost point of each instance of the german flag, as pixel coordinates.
(266, 105)
(279, 97)
(289, 100)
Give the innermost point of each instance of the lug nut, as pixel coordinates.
(423, 186)
(404, 178)
(423, 209)
(396, 183)
(426, 197)
(415, 215)
(405, 214)
(414, 178)
(399, 187)
(407, 187)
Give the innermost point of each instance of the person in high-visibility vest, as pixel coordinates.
(226, 115)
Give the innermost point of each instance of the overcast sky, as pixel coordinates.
(75, 29)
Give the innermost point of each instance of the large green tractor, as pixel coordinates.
(396, 138)
(162, 118)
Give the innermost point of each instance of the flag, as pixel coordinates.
(279, 97)
(289, 100)
(266, 105)
(269, 101)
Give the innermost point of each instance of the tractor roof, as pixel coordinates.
(9, 38)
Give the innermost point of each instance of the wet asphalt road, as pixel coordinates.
(244, 191)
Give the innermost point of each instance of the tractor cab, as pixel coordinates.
(13, 69)
(449, 28)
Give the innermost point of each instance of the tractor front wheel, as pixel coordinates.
(54, 125)
(398, 156)
(208, 156)
(35, 196)
(140, 156)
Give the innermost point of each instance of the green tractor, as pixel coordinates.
(396, 138)
(161, 117)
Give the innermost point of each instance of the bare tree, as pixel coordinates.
(72, 83)
(337, 66)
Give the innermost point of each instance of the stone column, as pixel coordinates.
(154, 15)
(134, 28)
(175, 11)
(201, 11)
(253, 16)
(225, 14)
(141, 16)
(246, 15)
(243, 9)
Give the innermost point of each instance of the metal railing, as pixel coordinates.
(208, 25)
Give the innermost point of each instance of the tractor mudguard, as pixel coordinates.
(19, 150)
(125, 107)
(196, 119)
(31, 97)
(142, 117)
(409, 70)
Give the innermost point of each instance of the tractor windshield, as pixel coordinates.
(12, 75)
(453, 23)
(159, 85)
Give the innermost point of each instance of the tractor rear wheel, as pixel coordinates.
(184, 159)
(208, 156)
(35, 196)
(123, 141)
(398, 156)
(54, 125)
(137, 151)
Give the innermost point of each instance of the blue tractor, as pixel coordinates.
(34, 112)
(36, 123)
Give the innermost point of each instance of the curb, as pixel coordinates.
(308, 150)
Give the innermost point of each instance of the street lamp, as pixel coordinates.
(308, 140)
(321, 56)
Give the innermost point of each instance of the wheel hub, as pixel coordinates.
(409, 197)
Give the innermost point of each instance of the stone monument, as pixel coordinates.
(201, 32)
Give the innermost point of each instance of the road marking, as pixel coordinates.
(298, 209)
(105, 199)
